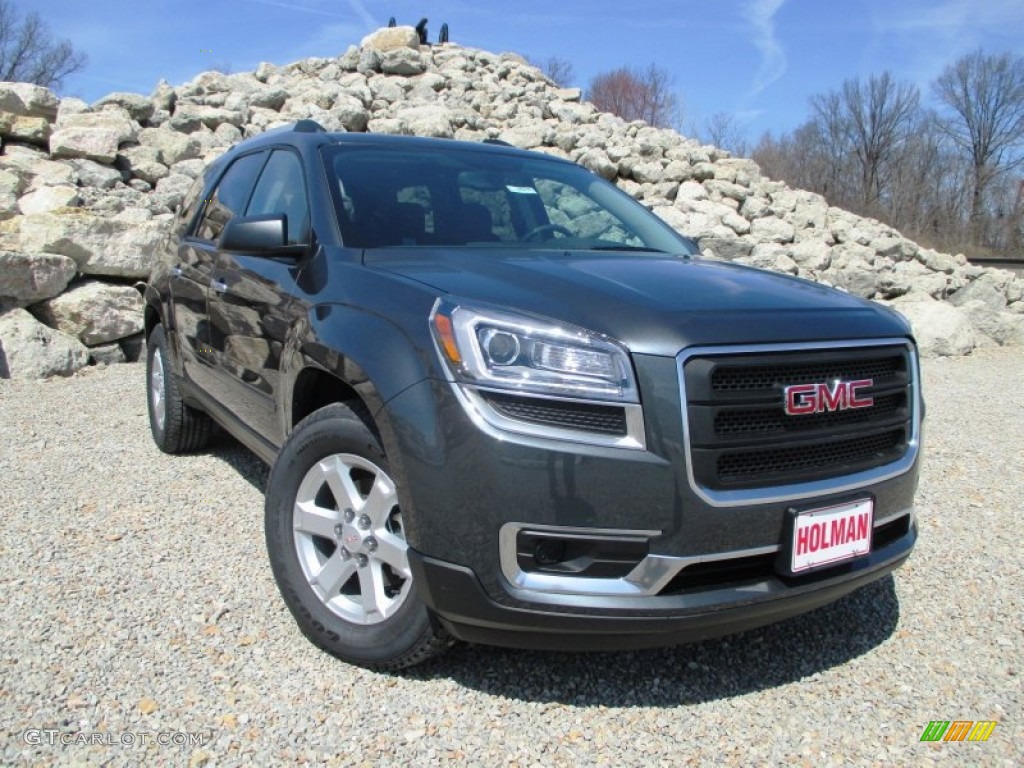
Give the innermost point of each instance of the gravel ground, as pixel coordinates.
(138, 604)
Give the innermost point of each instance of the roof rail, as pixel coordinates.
(302, 126)
(309, 126)
(499, 142)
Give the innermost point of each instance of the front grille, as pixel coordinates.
(600, 419)
(850, 455)
(752, 377)
(741, 437)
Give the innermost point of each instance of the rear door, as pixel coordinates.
(249, 302)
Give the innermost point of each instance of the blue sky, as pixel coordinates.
(758, 59)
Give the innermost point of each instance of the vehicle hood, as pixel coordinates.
(654, 304)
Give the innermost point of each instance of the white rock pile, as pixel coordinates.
(86, 191)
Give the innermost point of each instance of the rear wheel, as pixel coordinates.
(337, 545)
(176, 427)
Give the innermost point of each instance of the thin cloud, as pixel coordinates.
(760, 14)
(302, 8)
(930, 35)
(369, 21)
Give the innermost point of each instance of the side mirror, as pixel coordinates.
(264, 235)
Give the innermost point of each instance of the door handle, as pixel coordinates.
(219, 286)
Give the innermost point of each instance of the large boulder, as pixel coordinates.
(136, 105)
(941, 329)
(142, 163)
(37, 171)
(29, 277)
(989, 289)
(48, 199)
(28, 99)
(93, 135)
(31, 350)
(193, 117)
(173, 147)
(402, 61)
(390, 39)
(11, 186)
(94, 312)
(33, 130)
(99, 245)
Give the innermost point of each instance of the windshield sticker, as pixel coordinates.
(521, 190)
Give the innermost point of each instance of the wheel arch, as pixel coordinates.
(340, 354)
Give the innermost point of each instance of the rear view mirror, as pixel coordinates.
(263, 235)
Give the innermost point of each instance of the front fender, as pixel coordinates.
(374, 357)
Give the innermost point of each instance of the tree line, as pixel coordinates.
(945, 174)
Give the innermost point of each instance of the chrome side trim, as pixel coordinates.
(645, 580)
(797, 491)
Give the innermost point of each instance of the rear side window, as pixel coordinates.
(230, 196)
(282, 189)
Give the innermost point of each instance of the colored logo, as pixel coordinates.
(958, 730)
(804, 399)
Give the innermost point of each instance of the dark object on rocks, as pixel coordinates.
(443, 37)
(421, 30)
(391, 22)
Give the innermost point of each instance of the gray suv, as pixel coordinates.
(504, 403)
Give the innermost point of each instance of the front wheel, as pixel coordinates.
(337, 545)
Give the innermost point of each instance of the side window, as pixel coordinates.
(282, 189)
(230, 195)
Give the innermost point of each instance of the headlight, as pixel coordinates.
(505, 351)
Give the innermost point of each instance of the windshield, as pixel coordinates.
(387, 196)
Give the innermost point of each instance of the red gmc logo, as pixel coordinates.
(804, 399)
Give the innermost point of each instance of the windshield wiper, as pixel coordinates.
(638, 248)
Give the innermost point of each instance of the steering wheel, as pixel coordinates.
(532, 234)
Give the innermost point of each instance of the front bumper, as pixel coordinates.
(462, 487)
(559, 622)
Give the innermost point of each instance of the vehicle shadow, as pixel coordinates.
(249, 467)
(711, 670)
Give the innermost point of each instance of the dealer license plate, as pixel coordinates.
(831, 535)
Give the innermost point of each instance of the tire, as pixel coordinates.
(176, 427)
(337, 546)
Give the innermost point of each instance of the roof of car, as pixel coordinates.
(310, 132)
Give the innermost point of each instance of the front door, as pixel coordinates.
(249, 301)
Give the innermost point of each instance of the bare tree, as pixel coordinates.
(557, 70)
(880, 115)
(865, 124)
(30, 54)
(635, 94)
(724, 131)
(824, 138)
(984, 96)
